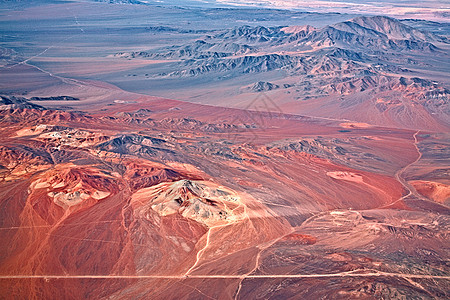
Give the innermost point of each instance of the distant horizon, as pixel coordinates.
(427, 10)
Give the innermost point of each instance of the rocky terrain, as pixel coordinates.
(374, 59)
(147, 198)
(310, 162)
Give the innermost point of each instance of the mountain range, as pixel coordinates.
(377, 58)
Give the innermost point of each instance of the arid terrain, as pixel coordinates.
(151, 150)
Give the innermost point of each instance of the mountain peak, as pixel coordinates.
(393, 28)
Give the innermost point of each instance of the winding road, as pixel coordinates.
(400, 178)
